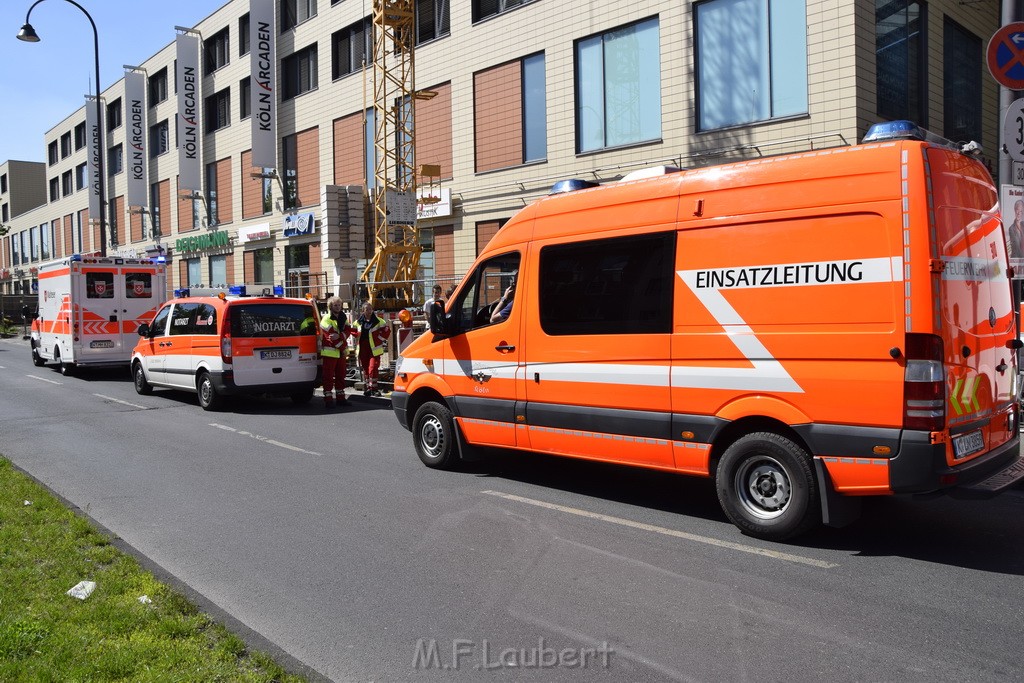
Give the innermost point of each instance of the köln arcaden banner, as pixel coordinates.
(92, 127)
(189, 129)
(136, 159)
(263, 103)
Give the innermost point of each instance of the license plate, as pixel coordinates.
(276, 354)
(101, 344)
(968, 443)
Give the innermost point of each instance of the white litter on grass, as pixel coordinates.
(27, 502)
(83, 590)
(144, 599)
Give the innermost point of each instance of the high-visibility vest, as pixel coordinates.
(330, 327)
(379, 331)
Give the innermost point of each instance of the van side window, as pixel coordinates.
(158, 328)
(205, 320)
(613, 286)
(484, 290)
(182, 317)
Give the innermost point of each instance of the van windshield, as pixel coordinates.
(272, 320)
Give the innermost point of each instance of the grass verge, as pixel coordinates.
(47, 635)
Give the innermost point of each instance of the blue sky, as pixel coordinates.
(46, 81)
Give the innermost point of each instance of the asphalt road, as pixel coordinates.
(325, 536)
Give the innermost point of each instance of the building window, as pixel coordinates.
(65, 145)
(67, 183)
(195, 275)
(159, 142)
(3, 183)
(962, 69)
(243, 34)
(212, 213)
(54, 189)
(79, 136)
(45, 240)
(218, 110)
(112, 220)
(154, 208)
(370, 149)
(34, 237)
(432, 19)
(244, 97)
(488, 8)
(289, 161)
(351, 48)
(4, 214)
(219, 270)
(263, 266)
(510, 114)
(80, 176)
(618, 85)
(52, 154)
(114, 115)
(900, 69)
(760, 78)
(115, 160)
(158, 87)
(299, 73)
(294, 12)
(215, 52)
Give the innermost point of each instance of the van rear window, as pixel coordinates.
(272, 320)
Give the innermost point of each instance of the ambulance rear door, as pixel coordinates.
(143, 293)
(975, 305)
(98, 296)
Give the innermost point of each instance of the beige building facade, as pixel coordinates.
(520, 95)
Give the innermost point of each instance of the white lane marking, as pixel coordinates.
(117, 400)
(774, 554)
(43, 379)
(264, 439)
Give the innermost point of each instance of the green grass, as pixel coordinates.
(47, 635)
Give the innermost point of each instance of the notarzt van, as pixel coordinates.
(805, 330)
(217, 345)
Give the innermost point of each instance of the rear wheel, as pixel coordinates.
(209, 399)
(139, 376)
(433, 433)
(66, 369)
(767, 488)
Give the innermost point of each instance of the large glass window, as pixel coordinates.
(195, 274)
(114, 115)
(269, 320)
(159, 139)
(432, 19)
(218, 110)
(290, 164)
(299, 72)
(618, 85)
(351, 48)
(751, 61)
(154, 207)
(487, 8)
(612, 286)
(212, 212)
(295, 12)
(158, 87)
(244, 97)
(243, 34)
(80, 177)
(507, 99)
(263, 266)
(482, 294)
(962, 72)
(216, 51)
(80, 136)
(899, 60)
(219, 270)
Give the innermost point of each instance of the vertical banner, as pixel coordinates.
(137, 161)
(95, 146)
(188, 128)
(1012, 207)
(263, 89)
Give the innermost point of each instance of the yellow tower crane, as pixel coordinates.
(390, 273)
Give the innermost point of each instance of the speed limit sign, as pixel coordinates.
(1013, 130)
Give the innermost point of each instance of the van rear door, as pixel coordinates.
(273, 342)
(975, 305)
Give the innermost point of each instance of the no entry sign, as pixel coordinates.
(1006, 56)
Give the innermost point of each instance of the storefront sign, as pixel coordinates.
(433, 203)
(212, 240)
(301, 224)
(256, 232)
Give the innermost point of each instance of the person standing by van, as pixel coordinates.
(335, 330)
(371, 331)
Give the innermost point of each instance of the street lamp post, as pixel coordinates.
(28, 34)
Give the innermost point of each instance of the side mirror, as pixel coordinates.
(144, 330)
(437, 321)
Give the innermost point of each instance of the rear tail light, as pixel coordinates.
(225, 348)
(924, 384)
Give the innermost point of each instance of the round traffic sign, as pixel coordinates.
(1013, 130)
(1006, 56)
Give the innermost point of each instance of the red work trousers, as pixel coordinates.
(370, 365)
(334, 374)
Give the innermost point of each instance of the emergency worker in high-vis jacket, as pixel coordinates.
(334, 333)
(372, 333)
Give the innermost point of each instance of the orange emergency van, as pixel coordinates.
(804, 329)
(219, 344)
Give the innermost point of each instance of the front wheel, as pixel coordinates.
(209, 399)
(433, 433)
(766, 486)
(66, 369)
(37, 360)
(139, 376)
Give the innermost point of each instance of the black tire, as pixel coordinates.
(766, 486)
(209, 399)
(139, 377)
(302, 397)
(37, 360)
(433, 433)
(66, 369)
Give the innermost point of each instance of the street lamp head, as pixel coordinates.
(28, 34)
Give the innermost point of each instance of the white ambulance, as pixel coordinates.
(90, 308)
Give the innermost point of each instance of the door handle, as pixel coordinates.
(1002, 367)
(505, 348)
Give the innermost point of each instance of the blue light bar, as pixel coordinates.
(180, 293)
(160, 259)
(236, 290)
(76, 257)
(895, 130)
(278, 290)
